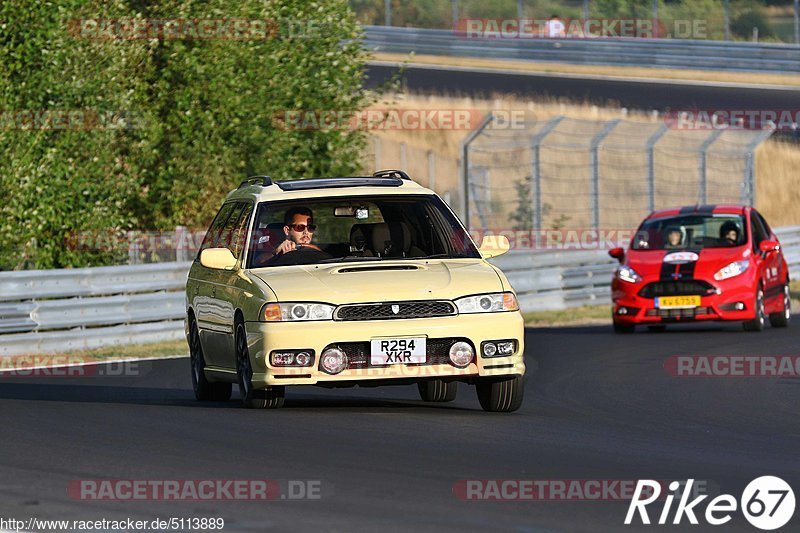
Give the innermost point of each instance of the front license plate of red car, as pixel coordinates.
(677, 302)
(398, 351)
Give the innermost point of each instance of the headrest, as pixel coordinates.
(391, 238)
(269, 236)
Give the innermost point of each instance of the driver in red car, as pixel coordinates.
(729, 233)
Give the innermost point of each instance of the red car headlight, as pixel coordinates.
(626, 273)
(732, 270)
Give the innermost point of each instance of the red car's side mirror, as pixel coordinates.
(769, 246)
(617, 253)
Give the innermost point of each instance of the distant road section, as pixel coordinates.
(633, 94)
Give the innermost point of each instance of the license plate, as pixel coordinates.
(677, 302)
(398, 351)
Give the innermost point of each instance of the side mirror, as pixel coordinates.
(617, 253)
(769, 246)
(494, 246)
(217, 258)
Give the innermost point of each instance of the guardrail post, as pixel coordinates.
(703, 165)
(536, 171)
(431, 170)
(376, 147)
(726, 16)
(594, 164)
(796, 21)
(465, 186)
(749, 185)
(651, 166)
(387, 12)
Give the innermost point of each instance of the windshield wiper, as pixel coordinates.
(439, 256)
(349, 258)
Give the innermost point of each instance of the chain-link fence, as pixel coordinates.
(571, 173)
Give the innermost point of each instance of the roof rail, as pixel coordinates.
(263, 181)
(391, 174)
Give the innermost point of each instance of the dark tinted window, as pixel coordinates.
(364, 228)
(759, 234)
(692, 231)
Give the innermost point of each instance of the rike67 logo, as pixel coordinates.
(767, 503)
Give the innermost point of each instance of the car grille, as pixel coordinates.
(437, 352)
(674, 314)
(676, 288)
(384, 311)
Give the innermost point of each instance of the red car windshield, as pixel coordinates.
(691, 232)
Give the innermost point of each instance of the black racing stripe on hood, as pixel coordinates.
(674, 272)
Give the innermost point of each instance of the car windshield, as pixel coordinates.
(690, 232)
(356, 229)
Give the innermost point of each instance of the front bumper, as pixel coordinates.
(721, 305)
(264, 337)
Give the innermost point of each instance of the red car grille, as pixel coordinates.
(676, 288)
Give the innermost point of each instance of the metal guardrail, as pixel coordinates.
(547, 281)
(77, 309)
(663, 53)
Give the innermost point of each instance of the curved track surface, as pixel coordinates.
(598, 406)
(647, 95)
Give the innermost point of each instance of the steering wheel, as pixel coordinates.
(301, 256)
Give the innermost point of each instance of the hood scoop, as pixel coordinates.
(376, 268)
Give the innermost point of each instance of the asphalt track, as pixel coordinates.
(598, 406)
(645, 95)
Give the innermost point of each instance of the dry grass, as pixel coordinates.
(622, 162)
(753, 78)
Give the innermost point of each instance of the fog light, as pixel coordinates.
(505, 347)
(489, 349)
(461, 354)
(333, 360)
(622, 311)
(303, 359)
(282, 358)
(738, 306)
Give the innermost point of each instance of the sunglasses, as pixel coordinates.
(299, 228)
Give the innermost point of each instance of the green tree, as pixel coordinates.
(204, 114)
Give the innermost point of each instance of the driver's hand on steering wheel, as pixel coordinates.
(286, 246)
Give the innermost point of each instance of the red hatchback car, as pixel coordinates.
(704, 262)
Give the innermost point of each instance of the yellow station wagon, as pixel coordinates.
(339, 282)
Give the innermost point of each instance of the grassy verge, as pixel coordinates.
(598, 70)
(585, 315)
(794, 289)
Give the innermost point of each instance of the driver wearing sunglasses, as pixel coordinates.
(299, 229)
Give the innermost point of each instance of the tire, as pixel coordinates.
(204, 390)
(623, 329)
(501, 396)
(269, 398)
(781, 319)
(757, 324)
(437, 390)
(657, 327)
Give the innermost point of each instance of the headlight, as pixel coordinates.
(297, 312)
(487, 303)
(626, 273)
(734, 269)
